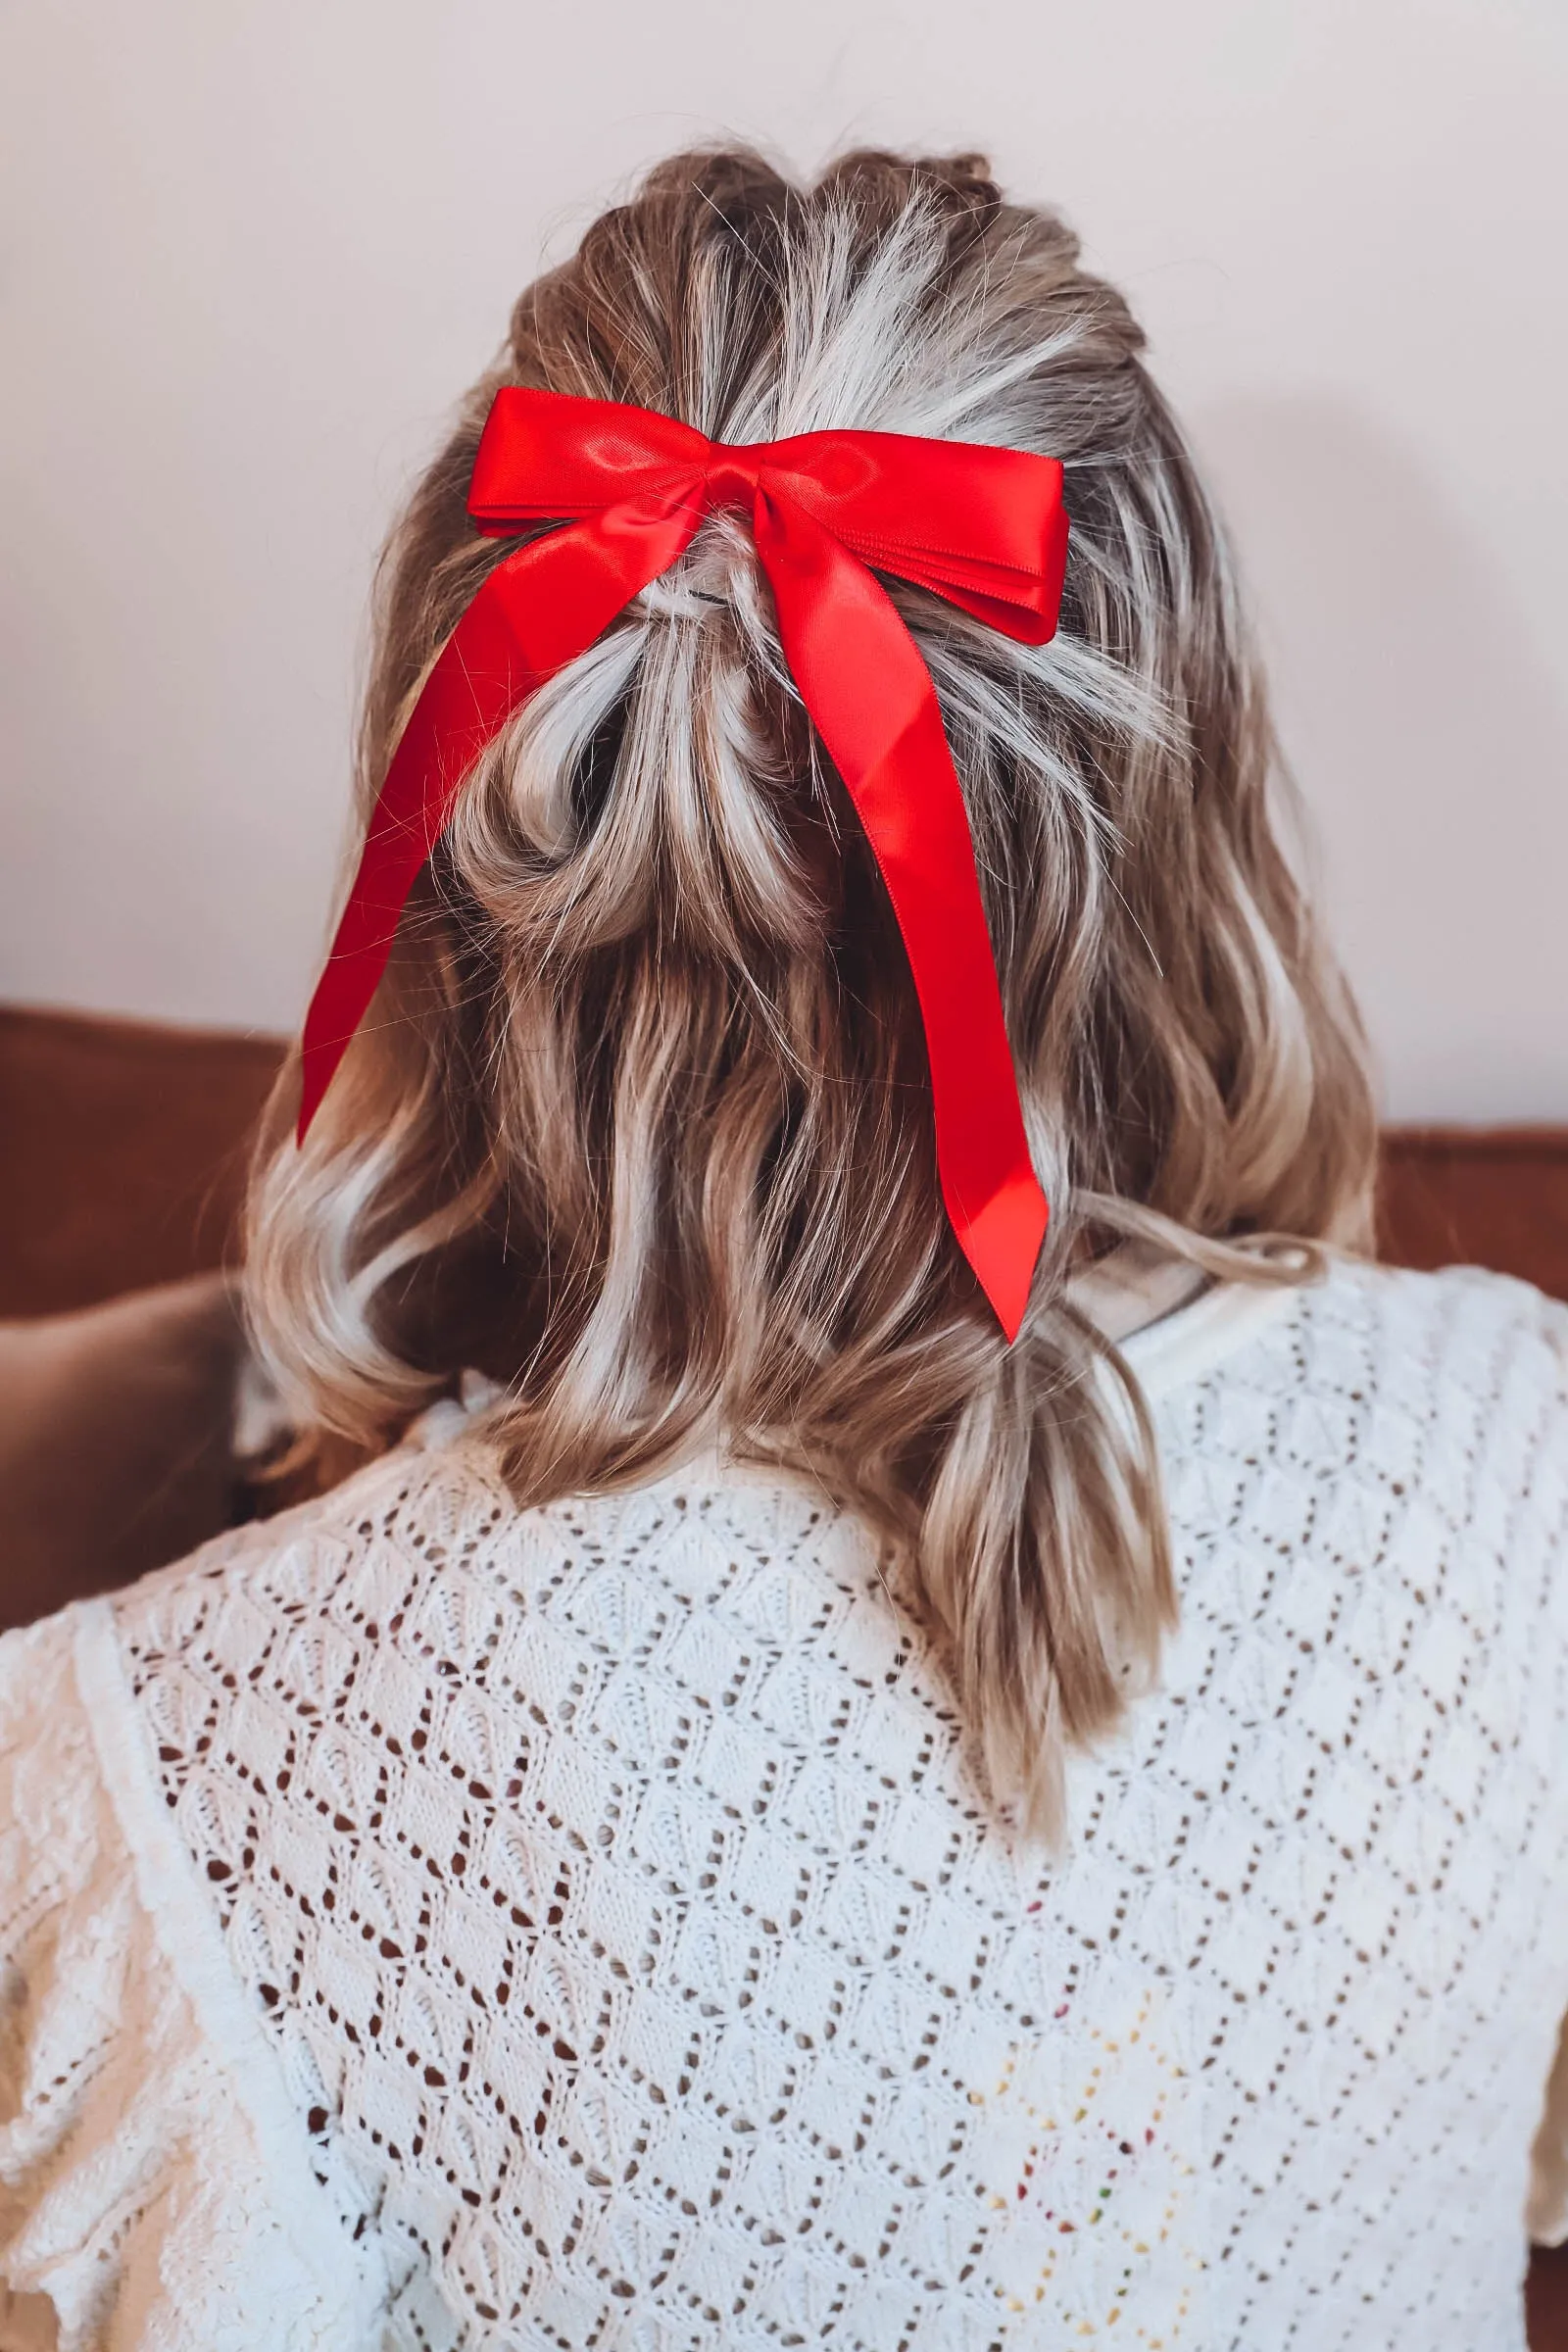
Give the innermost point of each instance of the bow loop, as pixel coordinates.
(550, 457)
(982, 527)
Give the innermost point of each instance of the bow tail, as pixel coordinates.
(535, 613)
(871, 700)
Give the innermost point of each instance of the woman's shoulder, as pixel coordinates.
(1396, 1419)
(439, 1489)
(432, 1529)
(1364, 1326)
(1400, 1437)
(1466, 1297)
(1459, 1346)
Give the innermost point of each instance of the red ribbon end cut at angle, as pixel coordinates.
(983, 527)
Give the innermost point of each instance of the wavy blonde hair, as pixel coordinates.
(640, 1121)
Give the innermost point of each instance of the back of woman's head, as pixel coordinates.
(641, 1124)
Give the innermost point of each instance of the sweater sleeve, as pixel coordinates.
(155, 2189)
(1549, 2173)
(1547, 2212)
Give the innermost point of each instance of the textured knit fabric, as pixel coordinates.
(426, 1924)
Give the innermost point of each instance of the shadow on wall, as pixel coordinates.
(1431, 742)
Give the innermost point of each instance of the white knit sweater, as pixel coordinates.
(425, 1925)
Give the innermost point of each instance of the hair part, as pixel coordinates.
(640, 1122)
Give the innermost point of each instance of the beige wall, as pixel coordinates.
(253, 247)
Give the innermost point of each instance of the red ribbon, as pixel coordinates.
(983, 527)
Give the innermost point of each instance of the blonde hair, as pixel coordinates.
(640, 1121)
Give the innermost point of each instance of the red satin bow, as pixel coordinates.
(983, 527)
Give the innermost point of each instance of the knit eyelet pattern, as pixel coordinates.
(651, 1970)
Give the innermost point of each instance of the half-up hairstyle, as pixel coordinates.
(640, 1122)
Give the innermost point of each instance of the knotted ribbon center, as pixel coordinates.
(732, 476)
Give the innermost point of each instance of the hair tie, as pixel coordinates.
(983, 527)
(679, 600)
